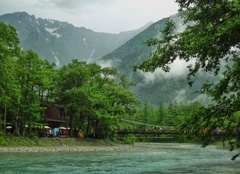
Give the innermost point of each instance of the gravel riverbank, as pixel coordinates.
(66, 148)
(82, 148)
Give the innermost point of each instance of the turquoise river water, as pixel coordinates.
(151, 159)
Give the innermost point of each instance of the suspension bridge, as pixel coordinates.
(154, 129)
(164, 130)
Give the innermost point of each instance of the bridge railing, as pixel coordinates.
(158, 127)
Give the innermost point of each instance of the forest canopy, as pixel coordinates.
(93, 100)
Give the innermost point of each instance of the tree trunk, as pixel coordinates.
(71, 124)
(24, 129)
(97, 133)
(88, 125)
(17, 123)
(5, 117)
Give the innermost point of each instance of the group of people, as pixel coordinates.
(145, 129)
(154, 128)
(54, 133)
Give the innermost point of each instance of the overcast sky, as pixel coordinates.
(111, 16)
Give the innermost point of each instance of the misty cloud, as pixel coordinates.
(181, 96)
(108, 63)
(178, 69)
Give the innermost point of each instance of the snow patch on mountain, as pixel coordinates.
(51, 21)
(57, 60)
(84, 41)
(37, 22)
(38, 30)
(92, 53)
(52, 32)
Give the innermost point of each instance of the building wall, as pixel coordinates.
(53, 112)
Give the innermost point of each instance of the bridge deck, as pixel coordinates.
(151, 132)
(171, 132)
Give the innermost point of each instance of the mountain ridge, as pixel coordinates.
(51, 39)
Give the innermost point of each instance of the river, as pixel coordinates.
(147, 158)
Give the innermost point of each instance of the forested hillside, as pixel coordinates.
(158, 86)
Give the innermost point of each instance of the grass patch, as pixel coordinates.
(46, 141)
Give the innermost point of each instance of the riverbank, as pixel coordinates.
(66, 148)
(98, 145)
(46, 144)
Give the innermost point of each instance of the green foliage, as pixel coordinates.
(49, 142)
(217, 26)
(24, 78)
(91, 97)
(129, 139)
(8, 41)
(174, 114)
(8, 86)
(31, 75)
(211, 38)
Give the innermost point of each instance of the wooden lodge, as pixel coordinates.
(54, 115)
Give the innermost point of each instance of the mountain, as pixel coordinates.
(60, 42)
(157, 87)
